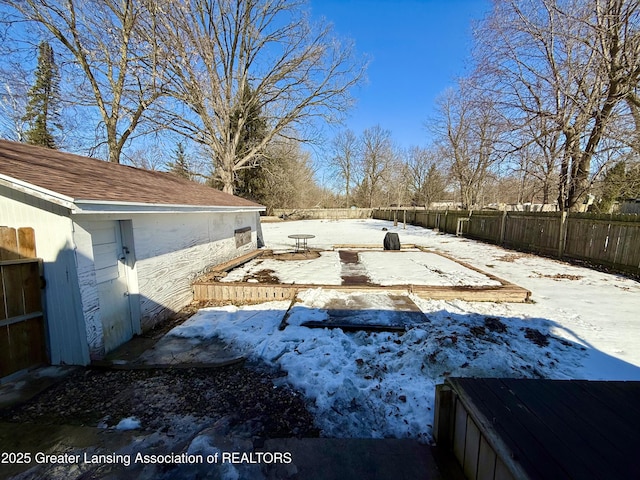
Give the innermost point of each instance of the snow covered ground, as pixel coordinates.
(406, 268)
(581, 324)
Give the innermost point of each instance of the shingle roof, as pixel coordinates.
(88, 179)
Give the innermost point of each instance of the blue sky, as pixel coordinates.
(417, 49)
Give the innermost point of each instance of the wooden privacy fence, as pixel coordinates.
(607, 240)
(22, 325)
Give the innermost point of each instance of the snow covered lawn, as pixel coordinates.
(382, 268)
(581, 324)
(419, 268)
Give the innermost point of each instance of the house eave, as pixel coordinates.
(84, 207)
(37, 192)
(92, 207)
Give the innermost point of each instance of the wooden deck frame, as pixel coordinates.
(522, 428)
(243, 292)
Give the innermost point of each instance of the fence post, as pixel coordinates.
(503, 227)
(563, 234)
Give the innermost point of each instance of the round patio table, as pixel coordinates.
(301, 241)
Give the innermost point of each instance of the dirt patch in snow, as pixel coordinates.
(308, 255)
(262, 276)
(161, 399)
(512, 257)
(558, 276)
(537, 337)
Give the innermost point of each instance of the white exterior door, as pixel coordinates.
(111, 276)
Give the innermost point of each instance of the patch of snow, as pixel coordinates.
(129, 423)
(419, 268)
(201, 444)
(324, 270)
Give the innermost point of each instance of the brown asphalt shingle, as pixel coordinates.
(83, 178)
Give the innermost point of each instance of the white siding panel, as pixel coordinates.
(173, 249)
(88, 291)
(103, 235)
(105, 262)
(54, 244)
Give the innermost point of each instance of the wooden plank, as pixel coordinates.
(5, 352)
(557, 411)
(371, 246)
(27, 242)
(13, 291)
(20, 318)
(585, 454)
(486, 461)
(628, 394)
(507, 293)
(605, 413)
(236, 262)
(19, 261)
(561, 458)
(514, 443)
(353, 327)
(459, 431)
(616, 418)
(3, 305)
(471, 449)
(502, 472)
(443, 420)
(27, 344)
(31, 292)
(8, 244)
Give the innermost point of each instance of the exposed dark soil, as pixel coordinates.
(262, 276)
(163, 398)
(308, 255)
(537, 337)
(495, 325)
(349, 257)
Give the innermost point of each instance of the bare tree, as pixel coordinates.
(287, 179)
(103, 38)
(230, 57)
(345, 150)
(13, 104)
(573, 63)
(426, 181)
(376, 158)
(468, 130)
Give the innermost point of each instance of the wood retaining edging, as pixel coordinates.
(242, 292)
(254, 293)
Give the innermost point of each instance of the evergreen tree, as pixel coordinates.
(622, 181)
(252, 133)
(180, 166)
(44, 99)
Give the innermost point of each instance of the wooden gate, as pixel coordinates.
(22, 326)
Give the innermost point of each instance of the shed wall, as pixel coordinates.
(172, 250)
(54, 244)
(169, 251)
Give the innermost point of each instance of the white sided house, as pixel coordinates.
(120, 245)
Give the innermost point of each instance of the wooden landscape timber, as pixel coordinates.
(236, 262)
(372, 246)
(247, 293)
